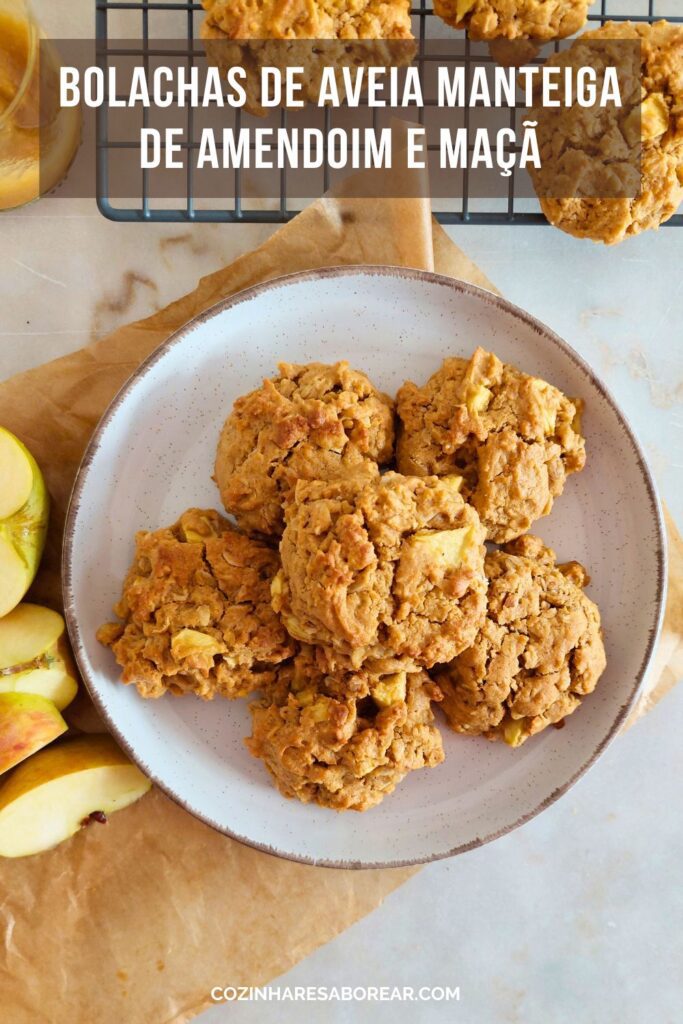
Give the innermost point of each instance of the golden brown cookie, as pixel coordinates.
(513, 438)
(388, 567)
(538, 654)
(596, 152)
(344, 740)
(514, 19)
(254, 34)
(196, 612)
(310, 19)
(313, 422)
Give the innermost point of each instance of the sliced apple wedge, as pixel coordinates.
(26, 633)
(54, 684)
(24, 513)
(27, 723)
(51, 796)
(35, 655)
(16, 475)
(14, 575)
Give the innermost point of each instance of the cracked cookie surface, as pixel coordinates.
(254, 35)
(345, 739)
(310, 19)
(313, 422)
(538, 654)
(393, 566)
(277, 33)
(610, 173)
(196, 613)
(513, 438)
(514, 19)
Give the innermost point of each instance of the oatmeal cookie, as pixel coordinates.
(346, 739)
(255, 34)
(538, 654)
(310, 19)
(610, 173)
(313, 422)
(514, 19)
(513, 438)
(196, 612)
(393, 565)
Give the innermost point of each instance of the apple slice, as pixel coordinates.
(14, 574)
(53, 683)
(16, 474)
(35, 655)
(23, 526)
(28, 631)
(27, 723)
(51, 796)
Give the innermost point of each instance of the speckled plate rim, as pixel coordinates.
(245, 296)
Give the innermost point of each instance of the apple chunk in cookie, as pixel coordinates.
(344, 739)
(390, 566)
(196, 614)
(513, 438)
(538, 654)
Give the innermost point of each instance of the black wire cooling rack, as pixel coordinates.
(150, 19)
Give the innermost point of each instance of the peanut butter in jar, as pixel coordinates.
(38, 140)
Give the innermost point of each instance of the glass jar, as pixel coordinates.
(38, 140)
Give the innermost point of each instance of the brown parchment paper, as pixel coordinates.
(137, 921)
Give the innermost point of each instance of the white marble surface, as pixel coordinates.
(574, 919)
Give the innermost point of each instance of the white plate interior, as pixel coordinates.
(154, 457)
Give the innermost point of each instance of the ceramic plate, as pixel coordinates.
(152, 457)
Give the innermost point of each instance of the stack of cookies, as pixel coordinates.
(355, 592)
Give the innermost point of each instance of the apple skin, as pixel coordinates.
(28, 722)
(49, 797)
(22, 537)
